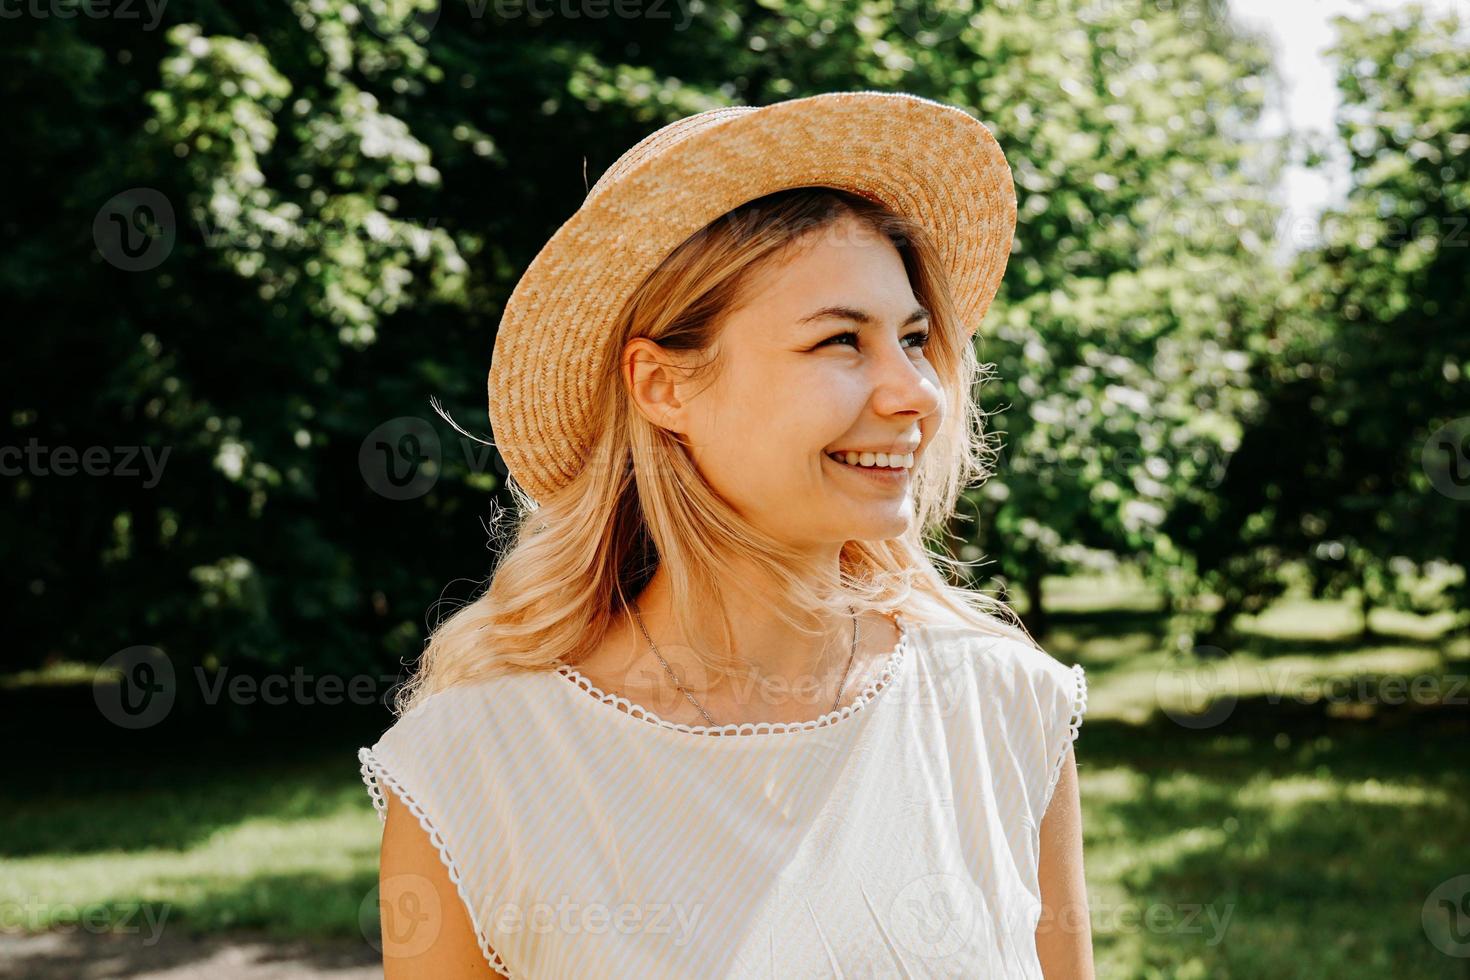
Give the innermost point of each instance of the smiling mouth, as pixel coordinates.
(880, 462)
(886, 476)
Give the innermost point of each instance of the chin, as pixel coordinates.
(881, 528)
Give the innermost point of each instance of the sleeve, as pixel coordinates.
(421, 758)
(1062, 694)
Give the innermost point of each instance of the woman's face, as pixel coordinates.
(824, 353)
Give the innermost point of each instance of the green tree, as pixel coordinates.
(1359, 466)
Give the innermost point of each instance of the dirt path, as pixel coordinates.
(81, 955)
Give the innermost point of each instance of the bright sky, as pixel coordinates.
(1300, 32)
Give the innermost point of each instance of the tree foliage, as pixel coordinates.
(249, 242)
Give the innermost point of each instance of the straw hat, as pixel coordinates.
(928, 161)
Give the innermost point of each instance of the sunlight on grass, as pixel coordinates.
(1125, 589)
(1298, 617)
(62, 672)
(1134, 687)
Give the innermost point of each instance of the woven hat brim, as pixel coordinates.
(928, 161)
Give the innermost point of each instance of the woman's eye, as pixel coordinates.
(920, 338)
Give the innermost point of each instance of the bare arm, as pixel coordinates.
(427, 934)
(1064, 933)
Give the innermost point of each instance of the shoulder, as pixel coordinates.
(1000, 659)
(1034, 701)
(457, 716)
(454, 738)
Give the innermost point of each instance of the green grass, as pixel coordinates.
(1286, 833)
(289, 848)
(1274, 821)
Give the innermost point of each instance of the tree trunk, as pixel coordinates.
(1036, 619)
(1222, 624)
(1365, 611)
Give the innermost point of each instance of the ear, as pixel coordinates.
(655, 379)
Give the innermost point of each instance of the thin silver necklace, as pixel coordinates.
(675, 678)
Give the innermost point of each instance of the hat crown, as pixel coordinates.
(660, 140)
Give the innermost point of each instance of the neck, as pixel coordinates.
(779, 671)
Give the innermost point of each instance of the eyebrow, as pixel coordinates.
(858, 316)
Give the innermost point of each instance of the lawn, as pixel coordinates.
(1284, 811)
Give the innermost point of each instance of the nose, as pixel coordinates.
(903, 382)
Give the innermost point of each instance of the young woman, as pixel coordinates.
(719, 714)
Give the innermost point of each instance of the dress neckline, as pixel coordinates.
(895, 660)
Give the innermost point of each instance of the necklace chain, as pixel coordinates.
(675, 678)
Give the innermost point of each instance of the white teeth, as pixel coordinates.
(886, 460)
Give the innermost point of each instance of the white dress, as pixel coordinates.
(895, 837)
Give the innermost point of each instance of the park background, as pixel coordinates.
(249, 250)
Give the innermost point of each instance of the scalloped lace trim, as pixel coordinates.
(868, 694)
(373, 774)
(1074, 725)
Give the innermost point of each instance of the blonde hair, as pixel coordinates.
(573, 562)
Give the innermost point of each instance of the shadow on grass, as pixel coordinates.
(286, 907)
(89, 786)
